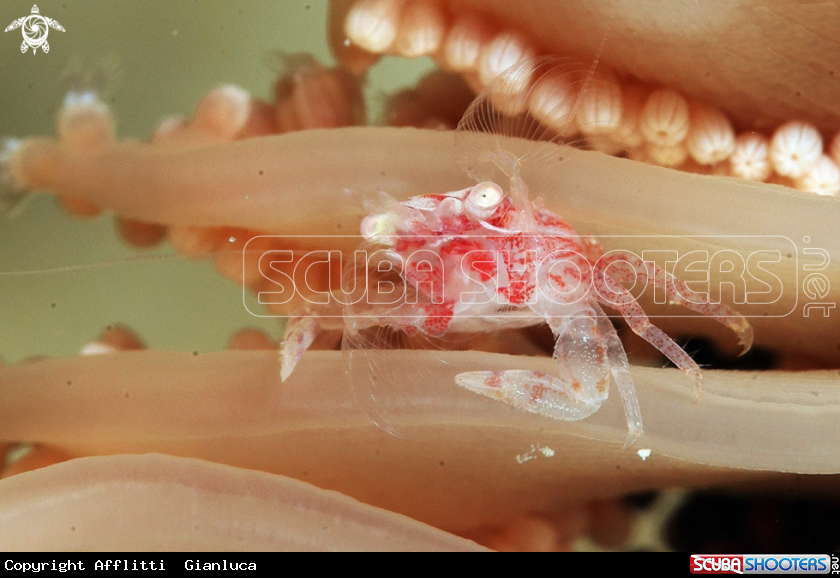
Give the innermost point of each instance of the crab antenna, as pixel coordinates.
(509, 165)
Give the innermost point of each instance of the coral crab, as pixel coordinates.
(480, 259)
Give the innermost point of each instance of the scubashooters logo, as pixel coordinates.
(761, 564)
(35, 29)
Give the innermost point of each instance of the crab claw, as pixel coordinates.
(532, 391)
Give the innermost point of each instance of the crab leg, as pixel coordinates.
(620, 369)
(679, 293)
(301, 331)
(303, 328)
(640, 324)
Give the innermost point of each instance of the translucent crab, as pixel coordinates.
(480, 258)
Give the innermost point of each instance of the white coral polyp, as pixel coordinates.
(600, 107)
(421, 29)
(372, 24)
(505, 50)
(463, 45)
(750, 158)
(551, 102)
(795, 149)
(711, 138)
(823, 178)
(664, 120)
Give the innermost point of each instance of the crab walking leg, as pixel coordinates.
(620, 369)
(301, 331)
(678, 293)
(621, 299)
(304, 327)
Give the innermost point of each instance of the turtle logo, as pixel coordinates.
(35, 30)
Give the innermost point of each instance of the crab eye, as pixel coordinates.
(483, 199)
(486, 195)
